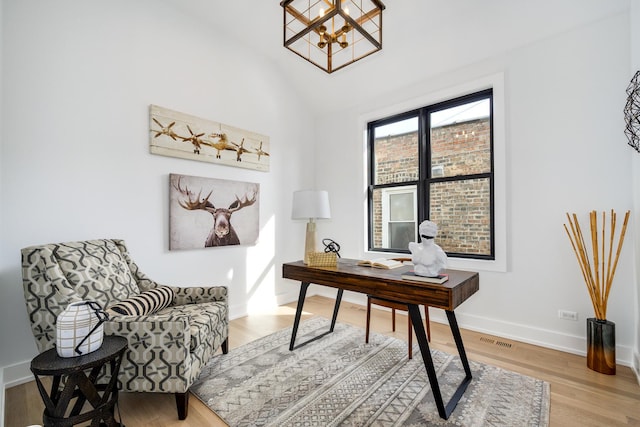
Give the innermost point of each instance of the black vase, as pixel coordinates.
(601, 346)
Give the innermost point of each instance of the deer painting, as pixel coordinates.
(222, 233)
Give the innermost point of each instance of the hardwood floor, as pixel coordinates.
(579, 396)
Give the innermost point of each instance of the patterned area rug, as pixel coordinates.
(340, 380)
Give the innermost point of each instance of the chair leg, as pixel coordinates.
(393, 319)
(426, 321)
(225, 346)
(366, 333)
(182, 402)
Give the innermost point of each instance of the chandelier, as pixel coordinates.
(332, 34)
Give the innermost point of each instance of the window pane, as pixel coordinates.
(401, 207)
(394, 217)
(461, 140)
(400, 234)
(462, 211)
(396, 152)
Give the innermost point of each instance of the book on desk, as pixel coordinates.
(440, 278)
(381, 263)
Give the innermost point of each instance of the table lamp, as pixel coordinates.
(311, 205)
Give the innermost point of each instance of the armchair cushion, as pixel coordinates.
(94, 270)
(147, 302)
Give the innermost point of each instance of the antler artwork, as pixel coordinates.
(222, 233)
(197, 140)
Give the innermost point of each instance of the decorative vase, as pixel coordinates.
(601, 346)
(79, 329)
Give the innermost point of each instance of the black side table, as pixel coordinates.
(76, 384)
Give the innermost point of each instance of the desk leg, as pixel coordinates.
(303, 292)
(335, 309)
(453, 324)
(418, 327)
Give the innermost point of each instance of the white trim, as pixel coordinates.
(496, 82)
(16, 374)
(287, 298)
(2, 397)
(517, 332)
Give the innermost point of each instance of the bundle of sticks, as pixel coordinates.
(598, 272)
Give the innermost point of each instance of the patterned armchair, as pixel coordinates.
(167, 348)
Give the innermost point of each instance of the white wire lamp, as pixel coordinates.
(311, 205)
(332, 34)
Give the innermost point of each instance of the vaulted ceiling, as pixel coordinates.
(421, 38)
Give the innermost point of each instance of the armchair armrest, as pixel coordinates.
(200, 294)
(151, 330)
(158, 358)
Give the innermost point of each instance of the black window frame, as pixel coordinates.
(425, 180)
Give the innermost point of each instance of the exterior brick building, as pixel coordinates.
(460, 208)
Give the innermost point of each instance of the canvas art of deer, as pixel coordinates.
(222, 233)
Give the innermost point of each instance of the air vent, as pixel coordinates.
(491, 341)
(503, 344)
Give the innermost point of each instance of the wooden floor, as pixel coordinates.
(579, 396)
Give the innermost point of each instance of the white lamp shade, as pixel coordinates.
(310, 204)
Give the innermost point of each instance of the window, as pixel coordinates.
(434, 163)
(399, 216)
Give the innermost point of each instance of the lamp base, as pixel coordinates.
(310, 241)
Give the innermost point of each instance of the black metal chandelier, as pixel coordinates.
(332, 34)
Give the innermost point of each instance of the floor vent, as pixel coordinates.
(503, 344)
(494, 342)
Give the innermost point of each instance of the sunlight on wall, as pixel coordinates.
(261, 272)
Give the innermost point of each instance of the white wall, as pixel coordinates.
(78, 77)
(565, 152)
(78, 80)
(2, 262)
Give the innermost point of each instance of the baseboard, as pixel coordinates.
(16, 374)
(524, 333)
(237, 311)
(283, 299)
(2, 397)
(20, 373)
(11, 376)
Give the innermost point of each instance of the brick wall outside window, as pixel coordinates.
(460, 208)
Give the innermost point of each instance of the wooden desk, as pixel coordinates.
(389, 284)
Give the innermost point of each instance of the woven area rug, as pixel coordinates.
(340, 380)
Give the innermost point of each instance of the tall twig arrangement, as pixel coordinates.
(598, 272)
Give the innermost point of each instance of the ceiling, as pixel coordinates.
(421, 38)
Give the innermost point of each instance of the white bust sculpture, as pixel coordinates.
(428, 258)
